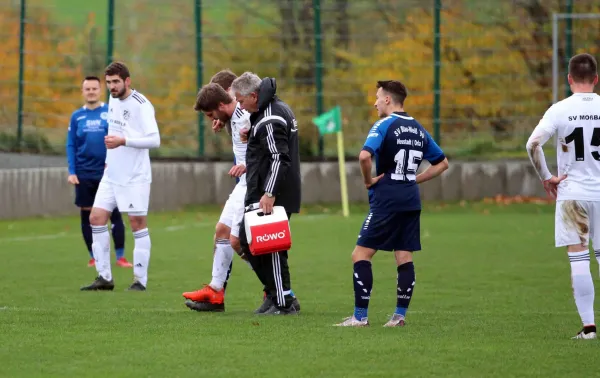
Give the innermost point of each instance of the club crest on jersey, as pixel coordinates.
(126, 115)
(104, 115)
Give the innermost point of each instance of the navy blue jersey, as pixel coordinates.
(399, 144)
(86, 152)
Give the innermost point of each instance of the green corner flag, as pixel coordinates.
(330, 122)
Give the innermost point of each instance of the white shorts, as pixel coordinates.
(233, 211)
(576, 223)
(128, 199)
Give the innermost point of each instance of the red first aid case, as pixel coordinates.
(268, 233)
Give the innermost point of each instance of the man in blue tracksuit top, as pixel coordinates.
(86, 154)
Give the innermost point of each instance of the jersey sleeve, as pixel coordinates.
(432, 153)
(72, 145)
(274, 137)
(374, 139)
(148, 119)
(151, 138)
(244, 122)
(239, 121)
(540, 135)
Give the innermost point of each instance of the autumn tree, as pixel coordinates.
(51, 74)
(496, 62)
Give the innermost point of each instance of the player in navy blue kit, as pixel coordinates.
(399, 144)
(86, 154)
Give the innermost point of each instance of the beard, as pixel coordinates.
(118, 94)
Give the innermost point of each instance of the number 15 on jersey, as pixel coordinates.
(407, 164)
(577, 137)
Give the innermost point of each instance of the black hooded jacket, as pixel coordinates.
(272, 153)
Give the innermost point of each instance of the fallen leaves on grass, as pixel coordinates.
(506, 200)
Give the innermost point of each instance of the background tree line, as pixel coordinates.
(496, 63)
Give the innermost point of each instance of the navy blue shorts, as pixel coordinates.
(85, 192)
(399, 231)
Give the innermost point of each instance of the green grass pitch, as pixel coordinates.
(493, 299)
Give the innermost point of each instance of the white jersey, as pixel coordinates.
(239, 120)
(131, 118)
(575, 121)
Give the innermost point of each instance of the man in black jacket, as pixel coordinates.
(273, 179)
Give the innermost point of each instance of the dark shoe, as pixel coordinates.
(136, 286)
(205, 306)
(274, 310)
(99, 284)
(266, 305)
(296, 304)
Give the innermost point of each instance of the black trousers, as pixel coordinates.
(272, 270)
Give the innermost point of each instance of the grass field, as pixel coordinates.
(493, 298)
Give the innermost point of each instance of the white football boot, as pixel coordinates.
(353, 322)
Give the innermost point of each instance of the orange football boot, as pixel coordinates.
(123, 263)
(207, 294)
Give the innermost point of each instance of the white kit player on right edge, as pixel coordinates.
(576, 123)
(132, 132)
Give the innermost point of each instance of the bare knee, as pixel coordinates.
(222, 231)
(137, 222)
(403, 257)
(577, 248)
(362, 254)
(99, 217)
(235, 243)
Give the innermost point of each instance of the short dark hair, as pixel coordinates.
(90, 78)
(210, 96)
(117, 68)
(396, 89)
(583, 68)
(224, 78)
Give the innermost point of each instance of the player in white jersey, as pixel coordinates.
(132, 132)
(218, 104)
(576, 123)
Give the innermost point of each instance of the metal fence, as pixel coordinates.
(479, 73)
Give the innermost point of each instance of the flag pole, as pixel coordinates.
(343, 183)
(330, 122)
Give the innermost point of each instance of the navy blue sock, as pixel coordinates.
(406, 287)
(86, 230)
(363, 283)
(118, 233)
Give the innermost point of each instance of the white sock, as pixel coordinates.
(221, 262)
(141, 255)
(583, 285)
(101, 251)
